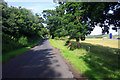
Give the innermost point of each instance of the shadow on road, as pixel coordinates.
(36, 63)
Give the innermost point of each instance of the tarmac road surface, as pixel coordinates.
(39, 62)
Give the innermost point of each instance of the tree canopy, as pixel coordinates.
(20, 25)
(78, 19)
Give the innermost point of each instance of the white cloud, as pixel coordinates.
(110, 12)
(39, 9)
(45, 24)
(32, 8)
(29, 0)
(51, 8)
(113, 31)
(35, 7)
(97, 31)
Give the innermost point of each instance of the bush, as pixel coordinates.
(73, 45)
(9, 43)
(56, 38)
(23, 40)
(67, 42)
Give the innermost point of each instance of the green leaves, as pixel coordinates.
(78, 19)
(74, 17)
(20, 21)
(54, 21)
(23, 40)
(19, 26)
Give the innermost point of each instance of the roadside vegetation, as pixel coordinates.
(95, 58)
(11, 54)
(100, 62)
(21, 30)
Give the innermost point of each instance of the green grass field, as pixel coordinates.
(113, 43)
(100, 63)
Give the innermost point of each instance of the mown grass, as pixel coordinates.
(113, 43)
(9, 55)
(100, 63)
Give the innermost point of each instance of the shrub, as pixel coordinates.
(67, 42)
(9, 43)
(23, 40)
(73, 45)
(56, 38)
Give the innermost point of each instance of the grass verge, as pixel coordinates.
(7, 56)
(100, 63)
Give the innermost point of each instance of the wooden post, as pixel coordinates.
(88, 49)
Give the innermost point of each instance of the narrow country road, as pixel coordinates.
(39, 62)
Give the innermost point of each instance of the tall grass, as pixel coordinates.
(10, 43)
(100, 63)
(12, 47)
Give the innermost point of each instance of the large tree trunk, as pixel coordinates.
(78, 45)
(53, 36)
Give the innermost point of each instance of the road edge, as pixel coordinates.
(76, 74)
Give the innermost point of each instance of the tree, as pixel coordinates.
(19, 26)
(81, 17)
(104, 19)
(54, 22)
(76, 22)
(20, 21)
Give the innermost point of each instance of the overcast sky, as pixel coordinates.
(37, 6)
